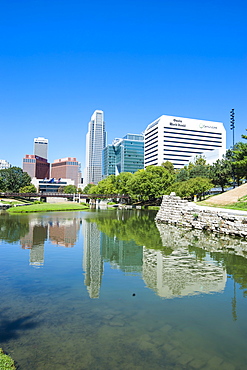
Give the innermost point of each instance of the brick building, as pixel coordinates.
(36, 166)
(66, 168)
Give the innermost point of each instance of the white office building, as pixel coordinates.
(179, 140)
(4, 164)
(95, 143)
(40, 147)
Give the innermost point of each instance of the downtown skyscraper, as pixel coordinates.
(40, 147)
(95, 143)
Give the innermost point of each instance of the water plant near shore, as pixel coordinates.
(6, 362)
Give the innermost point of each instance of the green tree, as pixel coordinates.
(199, 186)
(13, 178)
(244, 136)
(122, 183)
(107, 185)
(221, 172)
(237, 172)
(149, 184)
(187, 189)
(1, 184)
(182, 174)
(169, 167)
(70, 189)
(199, 168)
(93, 190)
(28, 189)
(87, 188)
(240, 159)
(181, 189)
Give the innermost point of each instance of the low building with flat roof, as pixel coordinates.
(4, 164)
(51, 185)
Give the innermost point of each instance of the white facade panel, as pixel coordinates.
(179, 140)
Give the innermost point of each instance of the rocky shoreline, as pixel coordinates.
(179, 212)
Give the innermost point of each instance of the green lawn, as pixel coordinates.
(46, 207)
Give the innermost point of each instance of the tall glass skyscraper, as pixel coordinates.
(95, 142)
(124, 155)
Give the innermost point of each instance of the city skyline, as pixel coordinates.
(35, 150)
(139, 61)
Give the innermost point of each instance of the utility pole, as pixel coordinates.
(232, 127)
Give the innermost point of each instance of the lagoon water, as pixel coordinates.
(111, 289)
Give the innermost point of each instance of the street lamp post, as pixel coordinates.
(232, 127)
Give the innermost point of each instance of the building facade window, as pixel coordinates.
(169, 138)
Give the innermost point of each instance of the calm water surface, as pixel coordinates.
(111, 290)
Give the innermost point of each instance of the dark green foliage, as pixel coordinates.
(198, 168)
(169, 167)
(70, 189)
(150, 183)
(187, 189)
(221, 172)
(28, 189)
(87, 188)
(240, 159)
(182, 174)
(12, 179)
(142, 185)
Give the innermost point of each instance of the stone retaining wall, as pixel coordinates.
(180, 212)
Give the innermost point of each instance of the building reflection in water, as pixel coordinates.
(61, 232)
(99, 248)
(64, 232)
(181, 267)
(174, 271)
(181, 274)
(92, 260)
(122, 254)
(34, 240)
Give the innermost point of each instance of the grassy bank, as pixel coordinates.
(47, 207)
(239, 206)
(6, 362)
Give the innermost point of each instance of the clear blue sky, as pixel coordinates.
(134, 59)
